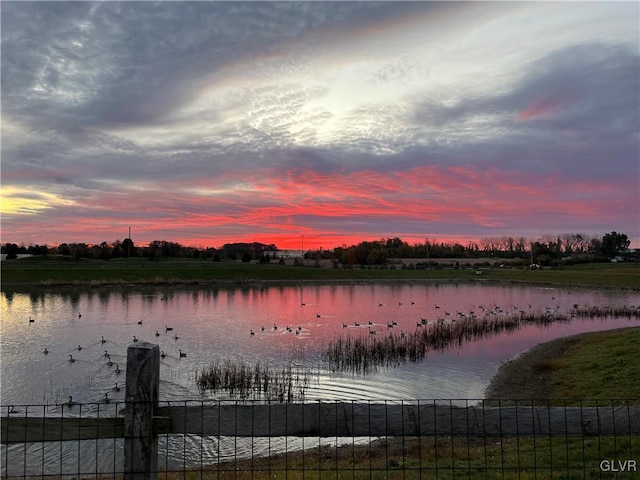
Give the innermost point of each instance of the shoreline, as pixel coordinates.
(528, 375)
(90, 284)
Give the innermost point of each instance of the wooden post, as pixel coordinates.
(141, 400)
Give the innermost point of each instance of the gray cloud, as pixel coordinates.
(109, 64)
(591, 94)
(103, 94)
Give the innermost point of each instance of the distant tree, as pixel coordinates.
(11, 250)
(104, 251)
(246, 257)
(37, 249)
(595, 246)
(264, 258)
(614, 243)
(128, 248)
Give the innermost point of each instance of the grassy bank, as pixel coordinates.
(60, 271)
(600, 365)
(596, 366)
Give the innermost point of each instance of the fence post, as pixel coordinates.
(141, 399)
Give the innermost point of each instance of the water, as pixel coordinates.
(215, 324)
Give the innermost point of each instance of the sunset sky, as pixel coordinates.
(213, 122)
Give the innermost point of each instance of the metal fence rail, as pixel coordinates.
(394, 439)
(144, 438)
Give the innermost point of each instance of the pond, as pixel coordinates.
(215, 325)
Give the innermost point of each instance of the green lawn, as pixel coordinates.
(600, 366)
(53, 271)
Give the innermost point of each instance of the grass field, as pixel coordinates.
(599, 365)
(59, 271)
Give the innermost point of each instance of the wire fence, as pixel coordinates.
(417, 439)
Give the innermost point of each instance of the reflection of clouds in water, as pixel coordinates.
(215, 324)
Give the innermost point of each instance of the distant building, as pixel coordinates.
(289, 253)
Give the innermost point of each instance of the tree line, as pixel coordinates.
(546, 250)
(154, 250)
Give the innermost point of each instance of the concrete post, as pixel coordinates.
(141, 399)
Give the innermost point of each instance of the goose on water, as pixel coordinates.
(182, 355)
(71, 359)
(45, 351)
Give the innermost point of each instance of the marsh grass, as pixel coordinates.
(245, 381)
(363, 354)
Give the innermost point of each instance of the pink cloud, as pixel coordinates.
(330, 209)
(544, 108)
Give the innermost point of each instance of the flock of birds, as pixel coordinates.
(442, 317)
(109, 362)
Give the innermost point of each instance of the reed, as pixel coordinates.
(606, 311)
(245, 381)
(363, 355)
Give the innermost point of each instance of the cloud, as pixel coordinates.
(323, 117)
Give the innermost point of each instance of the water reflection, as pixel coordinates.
(216, 323)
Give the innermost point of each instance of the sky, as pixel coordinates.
(207, 123)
